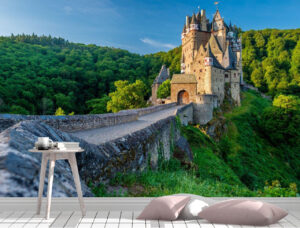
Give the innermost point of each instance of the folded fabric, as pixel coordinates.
(243, 212)
(194, 207)
(164, 208)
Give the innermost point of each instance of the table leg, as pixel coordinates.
(50, 182)
(73, 164)
(42, 180)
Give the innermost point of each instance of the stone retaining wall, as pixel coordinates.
(151, 109)
(185, 114)
(82, 122)
(72, 123)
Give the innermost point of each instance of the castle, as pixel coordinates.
(211, 65)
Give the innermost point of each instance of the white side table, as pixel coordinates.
(52, 155)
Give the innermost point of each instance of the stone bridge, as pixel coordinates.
(127, 141)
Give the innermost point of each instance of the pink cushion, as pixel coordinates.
(164, 208)
(243, 212)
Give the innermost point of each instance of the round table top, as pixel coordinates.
(73, 150)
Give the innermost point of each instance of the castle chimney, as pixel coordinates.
(203, 12)
(187, 21)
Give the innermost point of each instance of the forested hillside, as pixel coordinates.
(271, 60)
(40, 74)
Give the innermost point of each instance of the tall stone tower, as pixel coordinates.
(211, 65)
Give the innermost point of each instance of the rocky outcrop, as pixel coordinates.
(19, 169)
(183, 150)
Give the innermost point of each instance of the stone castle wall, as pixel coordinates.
(81, 122)
(203, 108)
(218, 83)
(154, 93)
(186, 114)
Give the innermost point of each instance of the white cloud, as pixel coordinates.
(157, 43)
(68, 9)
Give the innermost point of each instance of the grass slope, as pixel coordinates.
(249, 154)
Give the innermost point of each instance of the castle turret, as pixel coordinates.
(162, 76)
(208, 63)
(182, 64)
(203, 26)
(187, 24)
(183, 32)
(198, 17)
(194, 23)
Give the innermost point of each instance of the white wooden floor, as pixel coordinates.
(114, 213)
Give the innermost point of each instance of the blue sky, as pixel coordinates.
(140, 26)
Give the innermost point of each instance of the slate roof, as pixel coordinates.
(211, 55)
(220, 40)
(229, 59)
(194, 20)
(183, 79)
(184, 29)
(198, 17)
(162, 76)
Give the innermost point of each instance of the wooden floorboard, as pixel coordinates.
(113, 213)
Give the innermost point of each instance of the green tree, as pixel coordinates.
(127, 96)
(60, 112)
(257, 77)
(281, 122)
(98, 105)
(164, 90)
(295, 63)
(16, 109)
(289, 103)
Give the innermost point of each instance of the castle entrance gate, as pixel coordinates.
(183, 97)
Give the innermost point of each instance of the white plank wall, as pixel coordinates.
(117, 217)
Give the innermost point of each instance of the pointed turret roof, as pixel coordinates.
(229, 59)
(217, 14)
(198, 17)
(188, 21)
(184, 29)
(162, 76)
(194, 20)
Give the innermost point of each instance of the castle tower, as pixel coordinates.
(204, 21)
(211, 56)
(195, 35)
(219, 29)
(162, 76)
(208, 62)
